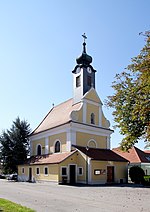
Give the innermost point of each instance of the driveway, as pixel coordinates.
(49, 197)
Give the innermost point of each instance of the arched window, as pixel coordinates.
(92, 118)
(92, 144)
(39, 150)
(57, 146)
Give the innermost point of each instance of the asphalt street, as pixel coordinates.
(47, 197)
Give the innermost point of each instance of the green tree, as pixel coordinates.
(14, 145)
(131, 99)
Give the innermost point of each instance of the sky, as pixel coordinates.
(40, 41)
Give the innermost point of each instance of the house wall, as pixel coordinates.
(83, 138)
(51, 176)
(104, 121)
(36, 143)
(70, 160)
(120, 171)
(51, 143)
(80, 160)
(80, 115)
(93, 96)
(57, 137)
(146, 168)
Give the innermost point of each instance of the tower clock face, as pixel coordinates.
(89, 70)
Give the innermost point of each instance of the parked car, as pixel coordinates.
(13, 177)
(2, 176)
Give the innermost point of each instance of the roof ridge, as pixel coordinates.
(134, 149)
(139, 151)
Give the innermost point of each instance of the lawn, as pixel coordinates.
(147, 178)
(8, 206)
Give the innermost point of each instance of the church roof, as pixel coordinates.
(57, 116)
(101, 154)
(134, 155)
(49, 158)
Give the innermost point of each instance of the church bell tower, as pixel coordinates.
(83, 75)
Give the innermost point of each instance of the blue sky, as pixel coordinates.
(40, 40)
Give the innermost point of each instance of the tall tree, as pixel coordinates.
(131, 99)
(15, 145)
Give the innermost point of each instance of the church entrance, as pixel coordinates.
(72, 174)
(110, 174)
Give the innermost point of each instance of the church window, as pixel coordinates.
(78, 81)
(89, 81)
(39, 150)
(64, 171)
(46, 170)
(37, 171)
(92, 118)
(57, 146)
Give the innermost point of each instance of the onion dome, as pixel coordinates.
(84, 59)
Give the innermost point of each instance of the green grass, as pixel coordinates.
(147, 178)
(8, 206)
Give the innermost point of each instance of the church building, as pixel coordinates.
(72, 143)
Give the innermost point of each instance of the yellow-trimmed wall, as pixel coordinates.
(93, 96)
(52, 139)
(79, 160)
(70, 160)
(95, 165)
(83, 138)
(120, 171)
(79, 114)
(61, 137)
(92, 109)
(52, 172)
(104, 120)
(34, 146)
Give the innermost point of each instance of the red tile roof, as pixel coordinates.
(48, 158)
(147, 151)
(134, 155)
(101, 154)
(57, 116)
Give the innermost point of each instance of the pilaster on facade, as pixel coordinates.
(84, 111)
(108, 142)
(31, 148)
(89, 171)
(71, 139)
(46, 145)
(100, 116)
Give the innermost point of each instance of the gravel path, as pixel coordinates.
(47, 197)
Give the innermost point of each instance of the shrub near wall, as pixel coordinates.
(136, 174)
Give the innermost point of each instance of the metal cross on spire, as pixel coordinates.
(84, 37)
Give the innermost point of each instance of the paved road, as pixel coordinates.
(49, 197)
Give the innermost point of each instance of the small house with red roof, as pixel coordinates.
(136, 157)
(72, 143)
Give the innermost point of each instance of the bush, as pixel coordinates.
(136, 174)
